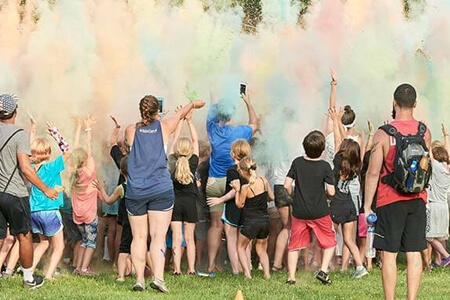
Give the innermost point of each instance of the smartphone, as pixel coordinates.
(161, 103)
(243, 90)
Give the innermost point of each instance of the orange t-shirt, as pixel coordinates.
(386, 194)
(84, 197)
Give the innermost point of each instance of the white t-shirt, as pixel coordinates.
(439, 183)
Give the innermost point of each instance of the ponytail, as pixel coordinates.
(184, 150)
(248, 165)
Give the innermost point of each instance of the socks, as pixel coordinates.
(28, 274)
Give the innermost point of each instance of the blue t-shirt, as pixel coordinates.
(221, 137)
(50, 174)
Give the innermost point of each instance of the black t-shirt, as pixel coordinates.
(123, 216)
(310, 199)
(179, 188)
(342, 186)
(233, 174)
(117, 156)
(203, 174)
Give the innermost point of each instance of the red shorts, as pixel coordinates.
(362, 226)
(322, 228)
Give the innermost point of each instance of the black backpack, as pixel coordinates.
(412, 162)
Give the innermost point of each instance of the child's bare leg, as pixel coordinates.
(58, 249)
(243, 243)
(261, 251)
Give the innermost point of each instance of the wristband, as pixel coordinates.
(63, 145)
(88, 129)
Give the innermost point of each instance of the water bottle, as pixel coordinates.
(412, 168)
(371, 221)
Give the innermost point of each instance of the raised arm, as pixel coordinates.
(62, 144)
(78, 125)
(252, 117)
(446, 138)
(30, 174)
(369, 143)
(373, 172)
(115, 134)
(88, 122)
(332, 102)
(169, 124)
(193, 132)
(33, 129)
(176, 136)
(335, 117)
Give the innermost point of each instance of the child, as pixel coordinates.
(232, 214)
(309, 206)
(84, 198)
(183, 163)
(46, 219)
(253, 197)
(127, 236)
(438, 215)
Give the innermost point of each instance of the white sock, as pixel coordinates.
(28, 274)
(360, 268)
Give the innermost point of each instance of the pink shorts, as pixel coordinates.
(322, 228)
(362, 226)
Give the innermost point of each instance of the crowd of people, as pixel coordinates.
(157, 197)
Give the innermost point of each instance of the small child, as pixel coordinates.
(253, 198)
(84, 199)
(438, 214)
(310, 207)
(45, 216)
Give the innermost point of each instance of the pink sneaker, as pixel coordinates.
(88, 272)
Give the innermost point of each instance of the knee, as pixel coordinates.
(189, 240)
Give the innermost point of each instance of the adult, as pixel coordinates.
(150, 196)
(222, 133)
(401, 221)
(14, 198)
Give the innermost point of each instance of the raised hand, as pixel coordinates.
(333, 114)
(118, 126)
(78, 120)
(444, 130)
(333, 76)
(89, 121)
(31, 118)
(371, 128)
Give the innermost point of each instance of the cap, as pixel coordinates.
(8, 104)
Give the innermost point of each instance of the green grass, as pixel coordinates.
(224, 286)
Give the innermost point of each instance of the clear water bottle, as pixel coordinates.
(370, 250)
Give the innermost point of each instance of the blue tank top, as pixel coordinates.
(148, 175)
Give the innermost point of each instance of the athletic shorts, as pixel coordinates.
(401, 227)
(126, 238)
(14, 213)
(89, 234)
(160, 202)
(343, 212)
(231, 213)
(215, 187)
(362, 226)
(48, 223)
(282, 198)
(256, 228)
(185, 209)
(300, 233)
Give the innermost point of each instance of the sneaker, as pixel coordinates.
(159, 285)
(445, 262)
(360, 273)
(323, 277)
(290, 282)
(139, 287)
(37, 282)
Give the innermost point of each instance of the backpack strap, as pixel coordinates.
(422, 130)
(17, 165)
(390, 130)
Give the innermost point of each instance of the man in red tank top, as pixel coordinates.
(401, 219)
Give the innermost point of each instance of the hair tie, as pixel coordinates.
(253, 167)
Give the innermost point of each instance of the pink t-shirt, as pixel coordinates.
(84, 197)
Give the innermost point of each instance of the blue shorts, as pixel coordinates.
(89, 234)
(160, 202)
(46, 222)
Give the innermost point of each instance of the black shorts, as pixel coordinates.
(401, 227)
(71, 232)
(14, 213)
(343, 212)
(185, 209)
(256, 229)
(231, 213)
(282, 199)
(126, 238)
(160, 202)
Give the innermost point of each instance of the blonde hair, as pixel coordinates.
(248, 166)
(183, 151)
(40, 150)
(79, 158)
(240, 149)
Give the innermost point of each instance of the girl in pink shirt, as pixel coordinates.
(84, 197)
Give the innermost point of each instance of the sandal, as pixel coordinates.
(277, 269)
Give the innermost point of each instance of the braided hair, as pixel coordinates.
(149, 107)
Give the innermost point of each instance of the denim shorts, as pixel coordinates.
(89, 234)
(46, 222)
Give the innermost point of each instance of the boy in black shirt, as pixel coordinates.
(310, 208)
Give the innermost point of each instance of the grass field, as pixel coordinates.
(224, 286)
